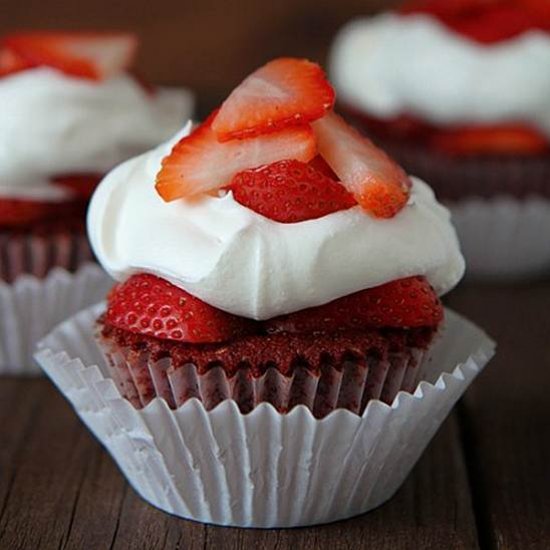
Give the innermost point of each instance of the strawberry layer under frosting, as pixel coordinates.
(390, 65)
(52, 124)
(239, 261)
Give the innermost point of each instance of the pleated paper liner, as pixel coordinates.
(504, 239)
(31, 306)
(349, 383)
(262, 469)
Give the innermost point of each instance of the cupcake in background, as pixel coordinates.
(458, 92)
(71, 110)
(277, 308)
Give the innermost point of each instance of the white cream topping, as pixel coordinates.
(52, 124)
(389, 65)
(239, 261)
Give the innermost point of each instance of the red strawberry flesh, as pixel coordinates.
(80, 54)
(146, 304)
(405, 303)
(290, 191)
(486, 21)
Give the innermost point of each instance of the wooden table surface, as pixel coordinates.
(484, 481)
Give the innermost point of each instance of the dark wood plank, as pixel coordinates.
(431, 510)
(142, 526)
(59, 489)
(50, 469)
(507, 415)
(97, 505)
(18, 401)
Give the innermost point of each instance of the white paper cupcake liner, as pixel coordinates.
(504, 238)
(262, 469)
(31, 307)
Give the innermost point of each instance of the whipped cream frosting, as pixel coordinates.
(390, 64)
(239, 261)
(52, 124)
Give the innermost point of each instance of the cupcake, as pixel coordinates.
(278, 292)
(458, 93)
(72, 111)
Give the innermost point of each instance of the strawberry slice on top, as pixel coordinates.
(199, 163)
(146, 304)
(284, 92)
(378, 184)
(90, 55)
(290, 191)
(282, 113)
(404, 303)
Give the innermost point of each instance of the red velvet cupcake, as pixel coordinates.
(281, 257)
(275, 353)
(457, 93)
(71, 111)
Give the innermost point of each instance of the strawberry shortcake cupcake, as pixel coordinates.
(71, 112)
(458, 92)
(276, 244)
(275, 353)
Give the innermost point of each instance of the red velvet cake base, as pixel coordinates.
(322, 372)
(37, 250)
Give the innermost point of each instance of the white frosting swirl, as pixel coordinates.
(52, 124)
(389, 65)
(241, 262)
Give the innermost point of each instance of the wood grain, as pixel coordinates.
(506, 416)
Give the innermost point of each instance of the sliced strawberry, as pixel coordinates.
(86, 55)
(11, 62)
(290, 191)
(81, 186)
(464, 140)
(378, 184)
(486, 21)
(284, 92)
(497, 24)
(498, 139)
(146, 304)
(406, 303)
(199, 163)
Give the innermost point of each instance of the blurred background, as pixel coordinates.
(208, 45)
